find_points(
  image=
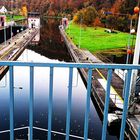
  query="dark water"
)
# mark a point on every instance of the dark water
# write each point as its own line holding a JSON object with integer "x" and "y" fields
{"x": 8, "y": 32}
{"x": 50, "y": 49}
{"x": 51, "y": 44}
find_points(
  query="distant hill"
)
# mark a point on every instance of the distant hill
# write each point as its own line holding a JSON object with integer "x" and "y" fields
{"x": 71, "y": 6}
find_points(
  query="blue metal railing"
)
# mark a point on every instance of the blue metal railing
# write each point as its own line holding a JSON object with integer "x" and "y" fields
{"x": 139, "y": 133}
{"x": 110, "y": 68}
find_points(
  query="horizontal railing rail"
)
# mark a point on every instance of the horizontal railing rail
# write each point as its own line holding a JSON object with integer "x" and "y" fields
{"x": 71, "y": 66}
{"x": 42, "y": 130}
{"x": 74, "y": 65}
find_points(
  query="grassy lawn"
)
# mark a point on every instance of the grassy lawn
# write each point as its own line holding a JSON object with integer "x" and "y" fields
{"x": 15, "y": 17}
{"x": 97, "y": 39}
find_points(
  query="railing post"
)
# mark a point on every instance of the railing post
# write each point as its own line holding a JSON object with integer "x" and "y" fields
{"x": 125, "y": 106}
{"x": 139, "y": 133}
{"x": 87, "y": 104}
{"x": 50, "y": 104}
{"x": 31, "y": 102}
{"x": 28, "y": 133}
{"x": 69, "y": 103}
{"x": 107, "y": 100}
{"x": 11, "y": 83}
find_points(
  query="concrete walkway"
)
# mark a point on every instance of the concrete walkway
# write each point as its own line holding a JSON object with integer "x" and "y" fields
{"x": 10, "y": 48}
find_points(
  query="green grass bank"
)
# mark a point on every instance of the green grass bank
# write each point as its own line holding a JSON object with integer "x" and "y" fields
{"x": 15, "y": 17}
{"x": 96, "y": 39}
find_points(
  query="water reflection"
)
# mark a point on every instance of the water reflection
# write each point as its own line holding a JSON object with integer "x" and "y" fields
{"x": 41, "y": 87}
{"x": 50, "y": 52}
{"x": 51, "y": 44}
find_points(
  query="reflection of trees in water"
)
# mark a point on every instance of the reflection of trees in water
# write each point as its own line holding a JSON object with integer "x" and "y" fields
{"x": 50, "y": 32}
{"x": 51, "y": 44}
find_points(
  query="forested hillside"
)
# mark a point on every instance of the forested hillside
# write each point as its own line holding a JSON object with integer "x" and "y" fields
{"x": 107, "y": 13}
{"x": 113, "y": 14}
{"x": 121, "y": 6}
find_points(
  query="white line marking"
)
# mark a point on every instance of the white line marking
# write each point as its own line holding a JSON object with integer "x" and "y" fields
{"x": 46, "y": 130}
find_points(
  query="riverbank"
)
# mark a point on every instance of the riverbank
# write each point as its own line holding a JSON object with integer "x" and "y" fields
{"x": 98, "y": 92}
{"x": 97, "y": 39}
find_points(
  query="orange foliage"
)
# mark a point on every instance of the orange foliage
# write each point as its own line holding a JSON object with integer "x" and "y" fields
{"x": 75, "y": 18}
{"x": 116, "y": 6}
{"x": 24, "y": 11}
{"x": 97, "y": 22}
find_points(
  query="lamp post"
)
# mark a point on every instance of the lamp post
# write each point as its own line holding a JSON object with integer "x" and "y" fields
{"x": 129, "y": 52}
{"x": 5, "y": 27}
{"x": 5, "y": 34}
{"x": 80, "y": 33}
{"x": 11, "y": 19}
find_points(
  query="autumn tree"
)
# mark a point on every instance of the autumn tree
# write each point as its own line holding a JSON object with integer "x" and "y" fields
{"x": 79, "y": 16}
{"x": 97, "y": 22}
{"x": 111, "y": 21}
{"x": 127, "y": 6}
{"x": 85, "y": 16}
{"x": 24, "y": 11}
{"x": 116, "y": 6}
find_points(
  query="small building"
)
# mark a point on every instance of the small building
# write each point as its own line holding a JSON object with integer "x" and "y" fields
{"x": 3, "y": 10}
{"x": 2, "y": 20}
{"x": 65, "y": 22}
{"x": 34, "y": 22}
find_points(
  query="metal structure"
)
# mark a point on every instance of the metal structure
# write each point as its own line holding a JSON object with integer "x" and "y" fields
{"x": 71, "y": 66}
{"x": 136, "y": 58}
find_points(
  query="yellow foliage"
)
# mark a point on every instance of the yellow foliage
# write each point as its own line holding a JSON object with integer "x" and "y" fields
{"x": 75, "y": 18}
{"x": 24, "y": 11}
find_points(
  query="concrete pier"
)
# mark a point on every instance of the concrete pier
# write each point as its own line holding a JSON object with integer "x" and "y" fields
{"x": 99, "y": 87}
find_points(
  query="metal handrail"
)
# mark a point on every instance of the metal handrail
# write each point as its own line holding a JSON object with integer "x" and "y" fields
{"x": 74, "y": 65}
{"x": 71, "y": 66}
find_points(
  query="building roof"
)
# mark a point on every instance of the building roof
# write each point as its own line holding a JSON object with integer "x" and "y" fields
{"x": 3, "y": 9}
